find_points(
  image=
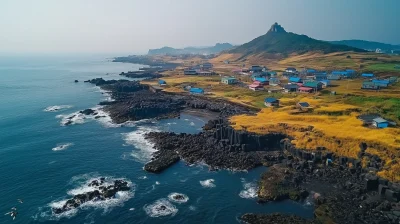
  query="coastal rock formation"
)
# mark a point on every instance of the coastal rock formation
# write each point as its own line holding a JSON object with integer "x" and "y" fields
{"x": 133, "y": 101}
{"x": 103, "y": 193}
{"x": 221, "y": 148}
{"x": 141, "y": 75}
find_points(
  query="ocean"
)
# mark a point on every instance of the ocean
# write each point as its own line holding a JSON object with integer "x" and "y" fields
{"x": 44, "y": 162}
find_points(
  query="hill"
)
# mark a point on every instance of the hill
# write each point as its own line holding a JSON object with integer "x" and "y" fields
{"x": 191, "y": 50}
{"x": 279, "y": 42}
{"x": 368, "y": 45}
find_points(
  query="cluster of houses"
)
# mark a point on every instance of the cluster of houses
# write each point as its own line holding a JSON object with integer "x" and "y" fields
{"x": 204, "y": 69}
{"x": 375, "y": 84}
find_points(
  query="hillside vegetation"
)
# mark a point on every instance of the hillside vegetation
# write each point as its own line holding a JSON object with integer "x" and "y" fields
{"x": 278, "y": 41}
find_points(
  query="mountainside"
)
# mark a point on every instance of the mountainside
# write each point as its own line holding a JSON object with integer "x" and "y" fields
{"x": 191, "y": 50}
{"x": 278, "y": 41}
{"x": 368, "y": 45}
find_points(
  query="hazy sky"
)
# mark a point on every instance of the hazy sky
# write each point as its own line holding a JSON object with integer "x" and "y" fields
{"x": 134, "y": 26}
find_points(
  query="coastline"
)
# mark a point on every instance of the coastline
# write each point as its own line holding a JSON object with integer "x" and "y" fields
{"x": 297, "y": 181}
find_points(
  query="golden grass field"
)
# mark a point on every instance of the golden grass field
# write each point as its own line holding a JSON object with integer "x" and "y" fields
{"x": 333, "y": 117}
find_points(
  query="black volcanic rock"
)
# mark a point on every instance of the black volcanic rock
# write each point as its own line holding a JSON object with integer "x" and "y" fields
{"x": 103, "y": 193}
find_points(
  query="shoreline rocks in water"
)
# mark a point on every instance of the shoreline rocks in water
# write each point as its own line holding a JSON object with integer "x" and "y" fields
{"x": 134, "y": 101}
{"x": 142, "y": 74}
{"x": 103, "y": 193}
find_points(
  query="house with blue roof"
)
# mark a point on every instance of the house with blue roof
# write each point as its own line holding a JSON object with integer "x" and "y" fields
{"x": 196, "y": 91}
{"x": 320, "y": 76}
{"x": 271, "y": 102}
{"x": 262, "y": 80}
{"x": 380, "y": 122}
{"x": 295, "y": 79}
{"x": 381, "y": 83}
{"x": 229, "y": 80}
{"x": 370, "y": 85}
{"x": 367, "y": 75}
{"x": 162, "y": 82}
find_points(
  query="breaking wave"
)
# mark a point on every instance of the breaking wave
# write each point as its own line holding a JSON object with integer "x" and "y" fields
{"x": 178, "y": 198}
{"x": 208, "y": 183}
{"x": 81, "y": 183}
{"x": 61, "y": 147}
{"x": 249, "y": 191}
{"x": 161, "y": 207}
{"x": 144, "y": 148}
{"x": 79, "y": 118}
{"x": 57, "y": 108}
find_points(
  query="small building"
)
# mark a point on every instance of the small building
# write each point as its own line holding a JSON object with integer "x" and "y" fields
{"x": 272, "y": 74}
{"x": 368, "y": 119}
{"x": 274, "y": 81}
{"x": 369, "y": 85}
{"x": 256, "y": 86}
{"x": 256, "y": 68}
{"x": 271, "y": 102}
{"x": 320, "y": 76}
{"x": 305, "y": 89}
{"x": 367, "y": 75}
{"x": 196, "y": 91}
{"x": 295, "y": 79}
{"x": 381, "y": 83}
{"x": 325, "y": 83}
{"x": 206, "y": 66}
{"x": 205, "y": 73}
{"x": 227, "y": 62}
{"x": 155, "y": 89}
{"x": 334, "y": 77}
{"x": 380, "y": 122}
{"x": 261, "y": 80}
{"x": 229, "y": 80}
{"x": 303, "y": 106}
{"x": 291, "y": 70}
{"x": 291, "y": 88}
{"x": 190, "y": 71}
{"x": 313, "y": 84}
{"x": 162, "y": 82}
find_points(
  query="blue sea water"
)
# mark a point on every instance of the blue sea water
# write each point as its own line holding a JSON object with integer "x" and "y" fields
{"x": 34, "y": 168}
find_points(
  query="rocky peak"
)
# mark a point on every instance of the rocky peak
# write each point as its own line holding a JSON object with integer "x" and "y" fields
{"x": 276, "y": 28}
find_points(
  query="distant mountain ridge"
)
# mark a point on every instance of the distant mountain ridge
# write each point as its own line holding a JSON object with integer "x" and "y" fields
{"x": 278, "y": 41}
{"x": 368, "y": 45}
{"x": 191, "y": 50}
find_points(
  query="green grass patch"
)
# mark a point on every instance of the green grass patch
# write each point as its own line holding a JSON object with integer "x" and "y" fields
{"x": 383, "y": 67}
{"x": 387, "y": 107}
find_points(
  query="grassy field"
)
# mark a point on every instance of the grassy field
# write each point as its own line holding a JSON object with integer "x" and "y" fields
{"x": 389, "y": 67}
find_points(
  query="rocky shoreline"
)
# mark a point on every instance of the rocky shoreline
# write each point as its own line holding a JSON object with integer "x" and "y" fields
{"x": 342, "y": 190}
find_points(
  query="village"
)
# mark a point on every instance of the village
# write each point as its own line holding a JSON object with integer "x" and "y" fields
{"x": 288, "y": 83}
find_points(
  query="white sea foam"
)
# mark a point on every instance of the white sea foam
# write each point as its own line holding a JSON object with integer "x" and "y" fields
{"x": 172, "y": 197}
{"x": 161, "y": 207}
{"x": 144, "y": 148}
{"x": 192, "y": 208}
{"x": 78, "y": 118}
{"x": 249, "y": 191}
{"x": 157, "y": 183}
{"x": 57, "y": 108}
{"x": 81, "y": 186}
{"x": 142, "y": 178}
{"x": 207, "y": 183}
{"x": 192, "y": 124}
{"x": 62, "y": 146}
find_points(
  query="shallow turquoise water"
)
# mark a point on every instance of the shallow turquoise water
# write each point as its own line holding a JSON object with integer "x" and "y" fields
{"x": 31, "y": 170}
